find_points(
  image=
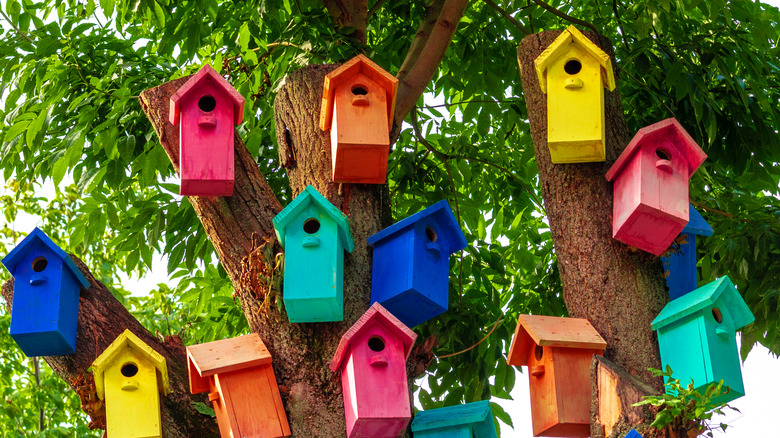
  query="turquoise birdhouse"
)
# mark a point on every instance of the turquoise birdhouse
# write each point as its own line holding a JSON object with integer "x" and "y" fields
{"x": 472, "y": 420}
{"x": 697, "y": 336}
{"x": 681, "y": 264}
{"x": 314, "y": 234}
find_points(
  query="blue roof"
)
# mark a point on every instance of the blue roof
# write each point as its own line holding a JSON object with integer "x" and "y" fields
{"x": 704, "y": 297}
{"x": 296, "y": 207}
{"x": 633, "y": 434}
{"x": 696, "y": 223}
{"x": 38, "y": 237}
{"x": 458, "y": 415}
{"x": 443, "y": 216}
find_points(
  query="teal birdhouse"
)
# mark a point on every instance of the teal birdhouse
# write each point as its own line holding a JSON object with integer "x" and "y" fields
{"x": 472, "y": 420}
{"x": 314, "y": 234}
{"x": 697, "y": 336}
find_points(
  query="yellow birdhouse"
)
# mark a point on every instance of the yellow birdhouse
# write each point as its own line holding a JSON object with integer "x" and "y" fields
{"x": 572, "y": 73}
{"x": 129, "y": 376}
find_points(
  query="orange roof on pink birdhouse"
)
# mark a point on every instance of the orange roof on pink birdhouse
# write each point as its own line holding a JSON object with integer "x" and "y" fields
{"x": 357, "y": 65}
{"x": 207, "y": 73}
{"x": 552, "y": 331}
{"x": 669, "y": 129}
{"x": 376, "y": 314}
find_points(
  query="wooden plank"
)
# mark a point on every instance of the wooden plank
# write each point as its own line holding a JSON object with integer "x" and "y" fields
{"x": 229, "y": 355}
{"x": 614, "y": 391}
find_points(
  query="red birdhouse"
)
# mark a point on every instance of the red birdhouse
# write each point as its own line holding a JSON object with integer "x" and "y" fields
{"x": 358, "y": 101}
{"x": 206, "y": 108}
{"x": 651, "y": 177}
{"x": 238, "y": 376}
{"x": 558, "y": 352}
{"x": 372, "y": 359}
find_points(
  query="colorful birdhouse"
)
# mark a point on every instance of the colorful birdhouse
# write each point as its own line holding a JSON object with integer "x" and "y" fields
{"x": 633, "y": 434}
{"x": 129, "y": 375}
{"x": 206, "y": 108}
{"x": 411, "y": 264}
{"x": 680, "y": 264}
{"x": 697, "y": 336}
{"x": 45, "y": 308}
{"x": 650, "y": 191}
{"x": 238, "y": 376}
{"x": 573, "y": 73}
{"x": 472, "y": 420}
{"x": 314, "y": 234}
{"x": 558, "y": 353}
{"x": 372, "y": 358}
{"x": 358, "y": 101}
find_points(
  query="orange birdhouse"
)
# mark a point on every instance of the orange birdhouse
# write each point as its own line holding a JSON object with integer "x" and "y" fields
{"x": 557, "y": 352}
{"x": 238, "y": 376}
{"x": 358, "y": 101}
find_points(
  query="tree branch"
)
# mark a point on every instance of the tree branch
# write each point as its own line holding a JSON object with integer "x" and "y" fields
{"x": 566, "y": 16}
{"x": 506, "y": 15}
{"x": 432, "y": 12}
{"x": 375, "y": 8}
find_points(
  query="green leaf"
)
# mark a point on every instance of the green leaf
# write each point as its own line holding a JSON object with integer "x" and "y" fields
{"x": 35, "y": 127}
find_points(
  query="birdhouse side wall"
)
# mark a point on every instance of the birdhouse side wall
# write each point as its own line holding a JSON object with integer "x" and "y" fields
{"x": 681, "y": 268}
{"x": 256, "y": 402}
{"x": 680, "y": 344}
{"x": 132, "y": 402}
{"x": 722, "y": 354}
{"x": 572, "y": 366}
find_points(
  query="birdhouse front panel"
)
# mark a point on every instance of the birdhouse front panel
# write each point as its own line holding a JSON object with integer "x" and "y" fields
{"x": 132, "y": 398}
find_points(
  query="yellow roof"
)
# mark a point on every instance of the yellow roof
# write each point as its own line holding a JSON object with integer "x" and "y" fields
{"x": 559, "y": 46}
{"x": 127, "y": 340}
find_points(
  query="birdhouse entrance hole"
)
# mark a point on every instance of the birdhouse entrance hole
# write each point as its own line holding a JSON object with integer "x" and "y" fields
{"x": 376, "y": 343}
{"x": 572, "y": 66}
{"x": 311, "y": 226}
{"x": 431, "y": 234}
{"x": 359, "y": 90}
{"x": 39, "y": 264}
{"x": 717, "y": 315}
{"x": 539, "y": 352}
{"x": 662, "y": 154}
{"x": 207, "y": 103}
{"x": 129, "y": 369}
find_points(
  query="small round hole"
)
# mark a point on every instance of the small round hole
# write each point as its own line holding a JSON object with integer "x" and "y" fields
{"x": 39, "y": 264}
{"x": 376, "y": 343}
{"x": 359, "y": 90}
{"x": 311, "y": 226}
{"x": 207, "y": 103}
{"x": 431, "y": 234}
{"x": 539, "y": 352}
{"x": 662, "y": 154}
{"x": 717, "y": 315}
{"x": 572, "y": 66}
{"x": 129, "y": 369}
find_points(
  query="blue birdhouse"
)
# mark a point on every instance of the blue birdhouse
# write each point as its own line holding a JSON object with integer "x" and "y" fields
{"x": 45, "y": 308}
{"x": 681, "y": 265}
{"x": 697, "y": 336}
{"x": 412, "y": 263}
{"x": 633, "y": 434}
{"x": 472, "y": 420}
{"x": 314, "y": 234}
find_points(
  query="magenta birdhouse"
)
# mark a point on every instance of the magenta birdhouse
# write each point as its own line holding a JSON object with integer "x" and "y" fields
{"x": 206, "y": 108}
{"x": 372, "y": 359}
{"x": 651, "y": 176}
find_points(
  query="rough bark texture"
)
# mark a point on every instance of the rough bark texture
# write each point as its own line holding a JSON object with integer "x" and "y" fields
{"x": 618, "y": 290}
{"x": 101, "y": 319}
{"x": 614, "y": 392}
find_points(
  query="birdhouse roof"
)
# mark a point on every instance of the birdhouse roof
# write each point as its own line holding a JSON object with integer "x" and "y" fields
{"x": 705, "y": 297}
{"x": 298, "y": 205}
{"x": 128, "y": 340}
{"x": 39, "y": 238}
{"x": 552, "y": 331}
{"x": 207, "y": 73}
{"x": 376, "y": 314}
{"x": 696, "y": 224}
{"x": 633, "y": 434}
{"x": 442, "y": 214}
{"x": 357, "y": 65}
{"x": 223, "y": 357}
{"x": 669, "y": 129}
{"x": 560, "y": 47}
{"x": 452, "y": 416}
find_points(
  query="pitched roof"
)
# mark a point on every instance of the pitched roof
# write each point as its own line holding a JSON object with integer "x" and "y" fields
{"x": 674, "y": 132}
{"x": 696, "y": 223}
{"x": 552, "y": 331}
{"x": 376, "y": 314}
{"x": 359, "y": 64}
{"x": 38, "y": 237}
{"x": 478, "y": 413}
{"x": 633, "y": 434}
{"x": 705, "y": 297}
{"x": 128, "y": 340}
{"x": 207, "y": 73}
{"x": 306, "y": 197}
{"x": 442, "y": 213}
{"x": 559, "y": 47}
{"x": 224, "y": 356}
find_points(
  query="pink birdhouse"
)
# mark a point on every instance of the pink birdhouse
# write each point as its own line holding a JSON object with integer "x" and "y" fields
{"x": 372, "y": 359}
{"x": 206, "y": 108}
{"x": 651, "y": 177}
